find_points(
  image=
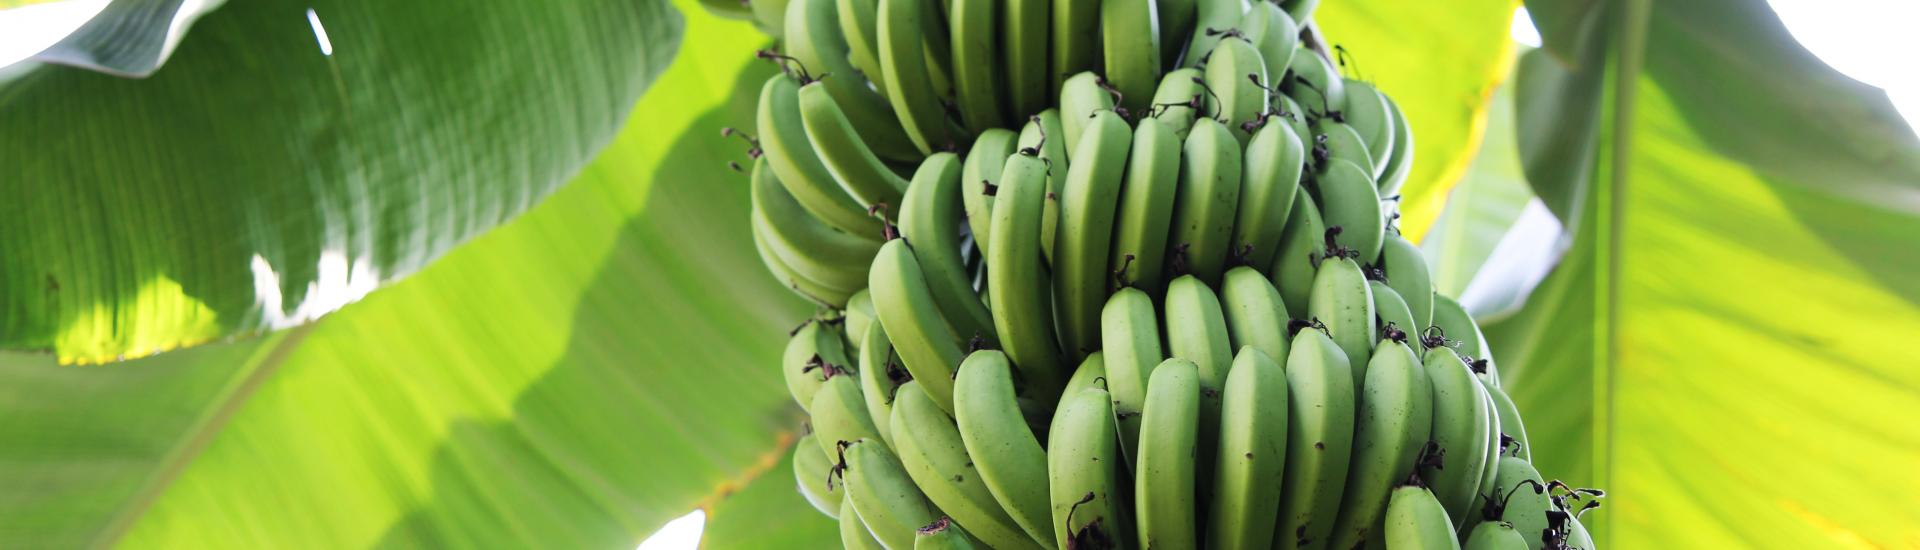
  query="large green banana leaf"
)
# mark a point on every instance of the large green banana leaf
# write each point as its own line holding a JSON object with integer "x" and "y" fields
{"x": 265, "y": 177}
{"x": 1728, "y": 347}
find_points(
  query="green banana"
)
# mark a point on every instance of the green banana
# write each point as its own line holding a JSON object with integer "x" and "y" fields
{"x": 979, "y": 84}
{"x": 1320, "y": 422}
{"x": 1178, "y": 99}
{"x": 1349, "y": 200}
{"x": 1302, "y": 246}
{"x": 1087, "y": 210}
{"x": 1130, "y": 340}
{"x": 931, "y": 449}
{"x": 1315, "y": 83}
{"x": 854, "y": 534}
{"x": 1130, "y": 48}
{"x": 1196, "y": 330}
{"x": 1400, "y": 160}
{"x": 1341, "y": 142}
{"x": 904, "y": 302}
{"x": 1076, "y": 39}
{"x": 1164, "y": 497}
{"x": 858, "y": 315}
{"x": 1008, "y": 457}
{"x": 929, "y": 215}
{"x": 1406, "y": 271}
{"x": 1145, "y": 215}
{"x": 1366, "y": 112}
{"x": 814, "y": 39}
{"x": 783, "y": 137}
{"x": 810, "y": 470}
{"x": 1250, "y": 464}
{"x": 1342, "y": 300}
{"x": 1416, "y": 521}
{"x": 1461, "y": 423}
{"x": 1206, "y": 201}
{"x": 730, "y": 9}
{"x": 1268, "y": 183}
{"x": 1212, "y": 18}
{"x": 807, "y": 246}
{"x": 1495, "y": 535}
{"x": 1081, "y": 96}
{"x": 1278, "y": 44}
{"x": 1396, "y": 418}
{"x": 1296, "y": 118}
{"x": 1256, "y": 315}
{"x": 906, "y": 77}
{"x": 937, "y": 50}
{"x": 1391, "y": 311}
{"x": 1458, "y": 325}
{"x": 1238, "y": 78}
{"x": 1017, "y": 289}
{"x": 849, "y": 160}
{"x": 1174, "y": 19}
{"x": 880, "y": 379}
{"x": 769, "y": 16}
{"x": 982, "y": 169}
{"x": 811, "y": 290}
{"x": 1577, "y": 537}
{"x": 1043, "y": 134}
{"x": 1025, "y": 34}
{"x": 860, "y": 27}
{"x": 886, "y": 498}
{"x": 1092, "y": 371}
{"x": 1490, "y": 469}
{"x": 1083, "y": 460}
{"x": 813, "y": 348}
{"x": 1300, "y": 9}
{"x": 1519, "y": 499}
{"x": 839, "y": 413}
{"x": 944, "y": 534}
{"x": 1509, "y": 416}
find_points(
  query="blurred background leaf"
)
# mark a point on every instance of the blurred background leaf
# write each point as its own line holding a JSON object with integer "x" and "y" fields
{"x": 257, "y": 183}
{"x": 128, "y": 37}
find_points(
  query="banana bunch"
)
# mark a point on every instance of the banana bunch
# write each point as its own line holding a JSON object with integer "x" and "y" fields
{"x": 1167, "y": 307}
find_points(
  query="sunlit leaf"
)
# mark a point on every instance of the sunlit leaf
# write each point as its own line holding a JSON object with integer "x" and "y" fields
{"x": 129, "y": 37}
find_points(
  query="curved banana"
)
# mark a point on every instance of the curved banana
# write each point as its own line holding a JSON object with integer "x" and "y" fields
{"x": 1495, "y": 535}
{"x": 854, "y": 534}
{"x": 1250, "y": 464}
{"x": 1081, "y": 96}
{"x": 1238, "y": 78}
{"x": 1341, "y": 142}
{"x": 979, "y": 174}
{"x": 1302, "y": 246}
{"x": 1406, "y": 271}
{"x": 979, "y": 84}
{"x": 1349, "y": 200}
{"x": 1509, "y": 416}
{"x": 1256, "y": 315}
{"x": 860, "y": 27}
{"x": 1366, "y": 111}
{"x": 1008, "y": 457}
{"x": 839, "y": 413}
{"x": 810, "y": 470}
{"x": 907, "y": 78}
{"x": 1088, "y": 207}
{"x": 1342, "y": 300}
{"x": 1396, "y": 417}
{"x": 1400, "y": 160}
{"x": 849, "y": 160}
{"x": 904, "y": 302}
{"x": 1196, "y": 330}
{"x": 1083, "y": 460}
{"x": 1519, "y": 499}
{"x": 929, "y": 217}
{"x": 1391, "y": 311}
{"x": 1271, "y": 177}
{"x": 1164, "y": 498}
{"x": 769, "y": 16}
{"x": 858, "y": 315}
{"x": 807, "y": 246}
{"x": 1278, "y": 44}
{"x": 1212, "y": 18}
{"x": 1320, "y": 419}
{"x": 814, "y": 39}
{"x": 931, "y": 449}
{"x": 1017, "y": 288}
{"x": 1296, "y": 118}
{"x": 1179, "y": 99}
{"x": 811, "y": 290}
{"x": 880, "y": 379}
{"x": 1043, "y": 133}
{"x": 1206, "y": 201}
{"x": 1315, "y": 83}
{"x": 886, "y": 498}
{"x": 1025, "y": 34}
{"x": 1461, "y": 422}
{"x": 783, "y": 137}
{"x": 1091, "y": 373}
{"x": 1130, "y": 341}
{"x": 812, "y": 349}
{"x": 1076, "y": 39}
{"x": 944, "y": 534}
{"x": 1416, "y": 521}
{"x": 1458, "y": 325}
{"x": 1490, "y": 469}
{"x": 1130, "y": 49}
{"x": 1145, "y": 215}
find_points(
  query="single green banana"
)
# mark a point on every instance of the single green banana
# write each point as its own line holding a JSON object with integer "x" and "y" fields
{"x": 813, "y": 291}
{"x": 884, "y": 495}
{"x": 1406, "y": 271}
{"x": 1366, "y": 112}
{"x": 1145, "y": 215}
{"x": 1519, "y": 499}
{"x": 1271, "y": 177}
{"x": 1076, "y": 39}
{"x": 860, "y": 27}
{"x": 1043, "y": 134}
{"x": 1340, "y": 142}
{"x": 813, "y": 348}
{"x": 1461, "y": 422}
{"x": 1174, "y": 20}
{"x": 1008, "y": 457}
{"x": 980, "y": 173}
{"x": 1315, "y": 83}
{"x": 929, "y": 217}
{"x": 1396, "y": 418}
{"x": 1130, "y": 47}
{"x": 854, "y": 534}
{"x": 904, "y": 301}
{"x": 880, "y": 379}
{"x": 1164, "y": 488}
{"x": 1400, "y": 161}
{"x": 814, "y": 39}
{"x": 979, "y": 83}
{"x": 1196, "y": 330}
{"x": 1296, "y": 118}
{"x": 1207, "y": 199}
{"x": 839, "y": 413}
{"x": 1320, "y": 422}
{"x": 1081, "y": 96}
{"x": 769, "y": 16}
{"x": 1130, "y": 340}
{"x": 1509, "y": 415}
{"x": 1302, "y": 246}
{"x": 1490, "y": 469}
{"x": 1083, "y": 474}
{"x": 1349, "y": 201}
{"x": 1025, "y": 34}
{"x": 944, "y": 534}
{"x": 1238, "y": 78}
{"x": 1495, "y": 535}
{"x": 858, "y": 315}
{"x": 1577, "y": 537}
{"x": 1278, "y": 44}
{"x": 805, "y": 244}
{"x": 1391, "y": 311}
{"x": 907, "y": 78}
{"x": 849, "y": 160}
{"x": 1179, "y": 99}
{"x": 1251, "y": 461}
{"x": 783, "y": 138}
{"x": 810, "y": 470}
{"x": 1017, "y": 288}
{"x": 1416, "y": 521}
{"x": 1091, "y": 373}
{"x": 1212, "y": 18}
{"x": 939, "y": 58}
{"x": 1087, "y": 210}
{"x": 1458, "y": 325}
{"x": 931, "y": 449}
{"x": 1253, "y": 25}
{"x": 1342, "y": 300}
{"x": 1256, "y": 315}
